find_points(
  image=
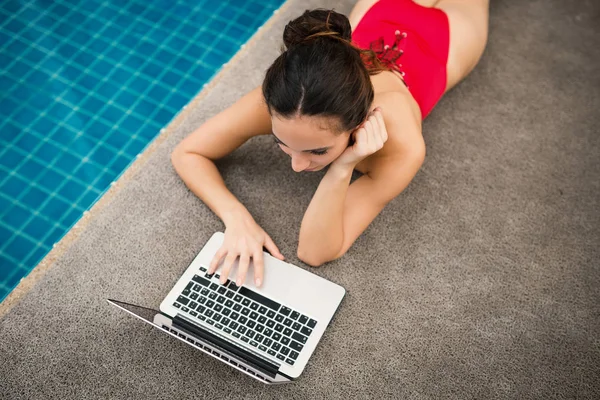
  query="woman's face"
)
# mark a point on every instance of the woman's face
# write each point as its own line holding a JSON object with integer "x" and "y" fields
{"x": 310, "y": 141}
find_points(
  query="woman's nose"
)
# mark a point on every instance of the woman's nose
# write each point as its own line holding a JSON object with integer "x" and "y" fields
{"x": 299, "y": 163}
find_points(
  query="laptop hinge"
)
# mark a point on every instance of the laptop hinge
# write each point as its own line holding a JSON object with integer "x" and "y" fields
{"x": 257, "y": 362}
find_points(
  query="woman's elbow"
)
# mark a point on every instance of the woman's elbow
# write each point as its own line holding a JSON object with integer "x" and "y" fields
{"x": 309, "y": 259}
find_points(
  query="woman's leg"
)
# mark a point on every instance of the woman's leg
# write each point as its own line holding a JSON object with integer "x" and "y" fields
{"x": 468, "y": 21}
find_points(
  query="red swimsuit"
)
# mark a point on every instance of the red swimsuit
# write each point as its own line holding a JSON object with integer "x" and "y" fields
{"x": 412, "y": 39}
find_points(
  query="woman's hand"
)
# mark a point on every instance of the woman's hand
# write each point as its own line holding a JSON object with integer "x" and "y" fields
{"x": 368, "y": 139}
{"x": 243, "y": 239}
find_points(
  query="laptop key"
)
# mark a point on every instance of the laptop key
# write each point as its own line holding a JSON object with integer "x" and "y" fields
{"x": 235, "y": 334}
{"x": 279, "y": 318}
{"x": 270, "y": 323}
{"x": 217, "y": 317}
{"x": 246, "y": 302}
{"x": 242, "y": 320}
{"x": 204, "y": 292}
{"x": 289, "y": 361}
{"x": 262, "y": 319}
{"x": 217, "y": 276}
{"x": 210, "y": 303}
{"x": 200, "y": 280}
{"x": 197, "y": 288}
{"x": 306, "y": 331}
{"x": 300, "y": 338}
{"x": 241, "y": 329}
{"x": 276, "y": 346}
{"x": 218, "y": 326}
{"x": 234, "y": 316}
{"x": 262, "y": 310}
{"x": 238, "y": 298}
{"x": 245, "y": 311}
{"x": 267, "y": 332}
{"x": 250, "y": 333}
{"x": 254, "y": 306}
{"x": 226, "y": 311}
{"x": 285, "y": 311}
{"x": 276, "y": 336}
{"x": 303, "y": 319}
{"x": 229, "y": 303}
{"x": 233, "y": 325}
{"x": 282, "y": 358}
{"x": 201, "y": 317}
{"x": 263, "y": 348}
{"x": 285, "y": 340}
{"x": 210, "y": 321}
{"x": 193, "y": 313}
{"x": 222, "y": 290}
{"x": 176, "y": 305}
{"x": 296, "y": 326}
{"x": 209, "y": 312}
{"x": 225, "y": 321}
{"x": 193, "y": 305}
{"x": 253, "y": 343}
{"x": 212, "y": 295}
{"x": 259, "y": 328}
{"x": 221, "y": 299}
{"x": 267, "y": 342}
{"x": 201, "y": 309}
{"x": 202, "y": 300}
{"x": 278, "y": 327}
{"x": 285, "y": 351}
{"x": 293, "y": 355}
{"x": 245, "y": 339}
{"x": 296, "y": 346}
{"x": 270, "y": 314}
{"x": 250, "y": 324}
{"x": 237, "y": 307}
{"x": 227, "y": 330}
{"x": 271, "y": 352}
{"x": 194, "y": 296}
{"x": 287, "y": 332}
{"x": 287, "y": 322}
{"x": 229, "y": 295}
{"x": 253, "y": 315}
{"x": 214, "y": 286}
{"x": 295, "y": 315}
{"x": 185, "y": 309}
{"x": 312, "y": 323}
{"x": 183, "y": 300}
{"x": 259, "y": 338}
{"x": 218, "y": 308}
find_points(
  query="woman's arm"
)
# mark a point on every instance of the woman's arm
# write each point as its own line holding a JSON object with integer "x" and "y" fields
{"x": 193, "y": 157}
{"x": 339, "y": 212}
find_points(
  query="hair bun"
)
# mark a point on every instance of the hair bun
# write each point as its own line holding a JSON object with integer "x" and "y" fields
{"x": 316, "y": 23}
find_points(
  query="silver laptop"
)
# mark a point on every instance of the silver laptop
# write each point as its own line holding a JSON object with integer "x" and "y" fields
{"x": 268, "y": 333}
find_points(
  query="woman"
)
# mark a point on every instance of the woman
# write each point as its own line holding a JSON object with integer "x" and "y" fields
{"x": 347, "y": 93}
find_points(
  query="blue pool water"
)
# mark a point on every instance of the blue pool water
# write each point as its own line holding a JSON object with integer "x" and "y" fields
{"x": 85, "y": 86}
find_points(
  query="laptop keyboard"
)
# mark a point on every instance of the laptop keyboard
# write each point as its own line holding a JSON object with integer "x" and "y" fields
{"x": 270, "y": 327}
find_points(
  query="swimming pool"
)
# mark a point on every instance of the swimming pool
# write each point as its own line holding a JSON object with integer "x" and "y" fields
{"x": 85, "y": 86}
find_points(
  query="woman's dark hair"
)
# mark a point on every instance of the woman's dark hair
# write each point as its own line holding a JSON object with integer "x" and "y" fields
{"x": 321, "y": 72}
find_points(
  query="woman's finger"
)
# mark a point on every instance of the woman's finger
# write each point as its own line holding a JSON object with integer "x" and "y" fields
{"x": 258, "y": 267}
{"x": 270, "y": 245}
{"x": 241, "y": 275}
{"x": 216, "y": 259}
{"x": 242, "y": 265}
{"x": 229, "y": 260}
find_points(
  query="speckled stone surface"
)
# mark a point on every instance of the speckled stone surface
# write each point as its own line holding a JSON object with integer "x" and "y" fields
{"x": 480, "y": 281}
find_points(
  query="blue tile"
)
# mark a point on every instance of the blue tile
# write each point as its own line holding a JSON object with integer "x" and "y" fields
{"x": 13, "y": 187}
{"x": 84, "y": 59}
{"x": 14, "y": 26}
{"x": 51, "y": 180}
{"x": 10, "y": 159}
{"x": 134, "y": 147}
{"x": 104, "y": 180}
{"x": 13, "y": 6}
{"x": 72, "y": 217}
{"x": 131, "y": 124}
{"x": 107, "y": 90}
{"x": 158, "y": 92}
{"x": 177, "y": 101}
{"x": 25, "y": 115}
{"x": 27, "y": 143}
{"x": 5, "y": 234}
{"x": 163, "y": 116}
{"x": 152, "y": 70}
{"x": 19, "y": 247}
{"x": 62, "y": 135}
{"x": 126, "y": 99}
{"x": 55, "y": 209}
{"x": 34, "y": 198}
{"x": 47, "y": 152}
{"x": 67, "y": 162}
{"x": 87, "y": 172}
{"x": 9, "y": 132}
{"x": 37, "y": 255}
{"x": 55, "y": 236}
{"x": 116, "y": 53}
{"x": 81, "y": 147}
{"x": 38, "y": 228}
{"x": 43, "y": 126}
{"x": 102, "y": 155}
{"x": 92, "y": 104}
{"x": 71, "y": 191}
{"x": 59, "y": 111}
{"x": 7, "y": 106}
{"x": 4, "y": 204}
{"x": 16, "y": 216}
{"x": 31, "y": 169}
{"x": 89, "y": 199}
